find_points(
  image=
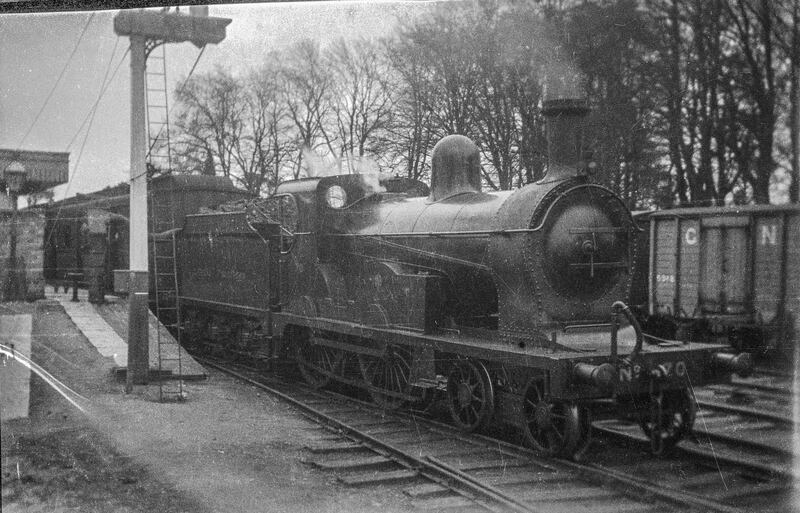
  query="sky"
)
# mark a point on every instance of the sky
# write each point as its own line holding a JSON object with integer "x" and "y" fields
{"x": 34, "y": 49}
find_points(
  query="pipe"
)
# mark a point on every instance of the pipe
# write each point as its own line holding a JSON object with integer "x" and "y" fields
{"x": 740, "y": 364}
{"x": 618, "y": 307}
{"x": 603, "y": 376}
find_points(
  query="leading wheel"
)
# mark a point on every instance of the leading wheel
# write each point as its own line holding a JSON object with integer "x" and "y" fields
{"x": 553, "y": 428}
{"x": 318, "y": 364}
{"x": 387, "y": 376}
{"x": 670, "y": 416}
{"x": 470, "y": 395}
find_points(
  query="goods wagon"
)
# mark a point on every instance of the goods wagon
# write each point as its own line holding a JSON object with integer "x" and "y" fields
{"x": 729, "y": 273}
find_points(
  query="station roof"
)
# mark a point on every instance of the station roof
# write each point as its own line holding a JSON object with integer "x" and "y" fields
{"x": 43, "y": 169}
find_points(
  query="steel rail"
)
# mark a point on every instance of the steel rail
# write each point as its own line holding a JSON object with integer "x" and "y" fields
{"x": 470, "y": 487}
{"x": 700, "y": 452}
{"x": 438, "y": 473}
{"x": 599, "y": 472}
{"x": 747, "y": 412}
{"x": 762, "y": 387}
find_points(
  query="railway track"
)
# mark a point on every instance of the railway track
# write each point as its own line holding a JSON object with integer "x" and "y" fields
{"x": 741, "y": 442}
{"x": 441, "y": 469}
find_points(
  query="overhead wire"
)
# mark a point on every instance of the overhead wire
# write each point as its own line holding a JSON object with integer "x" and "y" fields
{"x": 93, "y": 111}
{"x": 178, "y": 91}
{"x": 88, "y": 130}
{"x": 103, "y": 88}
{"x": 90, "y": 118}
{"x": 58, "y": 81}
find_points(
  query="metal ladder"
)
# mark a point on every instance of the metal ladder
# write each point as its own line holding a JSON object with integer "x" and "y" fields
{"x": 159, "y": 152}
{"x": 164, "y": 278}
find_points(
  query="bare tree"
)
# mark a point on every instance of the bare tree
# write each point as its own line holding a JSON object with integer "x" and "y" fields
{"x": 787, "y": 34}
{"x": 752, "y": 24}
{"x": 360, "y": 99}
{"x": 306, "y": 82}
{"x": 412, "y": 131}
{"x": 210, "y": 120}
{"x": 265, "y": 151}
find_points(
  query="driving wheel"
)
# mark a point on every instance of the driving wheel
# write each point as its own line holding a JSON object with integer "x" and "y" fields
{"x": 387, "y": 376}
{"x": 318, "y": 364}
{"x": 470, "y": 395}
{"x": 553, "y": 427}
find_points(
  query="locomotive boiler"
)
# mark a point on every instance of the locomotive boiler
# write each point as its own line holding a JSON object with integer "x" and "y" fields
{"x": 507, "y": 303}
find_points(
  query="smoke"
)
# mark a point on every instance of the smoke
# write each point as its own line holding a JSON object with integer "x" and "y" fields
{"x": 367, "y": 167}
{"x": 315, "y": 166}
{"x": 527, "y": 39}
{"x": 372, "y": 183}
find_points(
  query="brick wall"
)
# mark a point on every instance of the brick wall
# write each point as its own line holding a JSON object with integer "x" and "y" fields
{"x": 29, "y": 282}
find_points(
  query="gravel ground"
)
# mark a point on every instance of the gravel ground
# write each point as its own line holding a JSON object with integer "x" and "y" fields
{"x": 229, "y": 447}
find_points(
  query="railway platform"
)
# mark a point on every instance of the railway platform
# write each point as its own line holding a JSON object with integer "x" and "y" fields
{"x": 106, "y": 326}
{"x": 86, "y": 445}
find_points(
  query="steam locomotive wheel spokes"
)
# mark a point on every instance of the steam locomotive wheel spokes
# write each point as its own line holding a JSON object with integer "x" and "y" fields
{"x": 553, "y": 427}
{"x": 470, "y": 394}
{"x": 317, "y": 363}
{"x": 670, "y": 416}
{"x": 387, "y": 376}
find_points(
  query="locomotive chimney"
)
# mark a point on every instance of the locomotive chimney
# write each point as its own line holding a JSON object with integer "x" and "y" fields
{"x": 564, "y": 128}
{"x": 455, "y": 167}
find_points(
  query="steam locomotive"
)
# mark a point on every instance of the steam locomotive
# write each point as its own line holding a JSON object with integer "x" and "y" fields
{"x": 507, "y": 303}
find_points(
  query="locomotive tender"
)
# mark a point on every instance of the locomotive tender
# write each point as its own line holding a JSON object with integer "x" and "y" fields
{"x": 507, "y": 302}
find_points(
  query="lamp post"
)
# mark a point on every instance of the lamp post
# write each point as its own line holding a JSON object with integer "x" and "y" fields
{"x": 14, "y": 176}
{"x": 147, "y": 30}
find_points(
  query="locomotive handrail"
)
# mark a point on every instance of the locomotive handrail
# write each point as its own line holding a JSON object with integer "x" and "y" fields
{"x": 620, "y": 307}
{"x": 582, "y": 186}
{"x": 465, "y": 233}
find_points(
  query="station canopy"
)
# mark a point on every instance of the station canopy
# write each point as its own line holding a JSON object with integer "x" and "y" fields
{"x": 42, "y": 169}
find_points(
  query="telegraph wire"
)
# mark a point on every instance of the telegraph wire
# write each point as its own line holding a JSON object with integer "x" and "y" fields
{"x": 102, "y": 91}
{"x": 90, "y": 118}
{"x": 92, "y": 113}
{"x": 179, "y": 90}
{"x": 58, "y": 80}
